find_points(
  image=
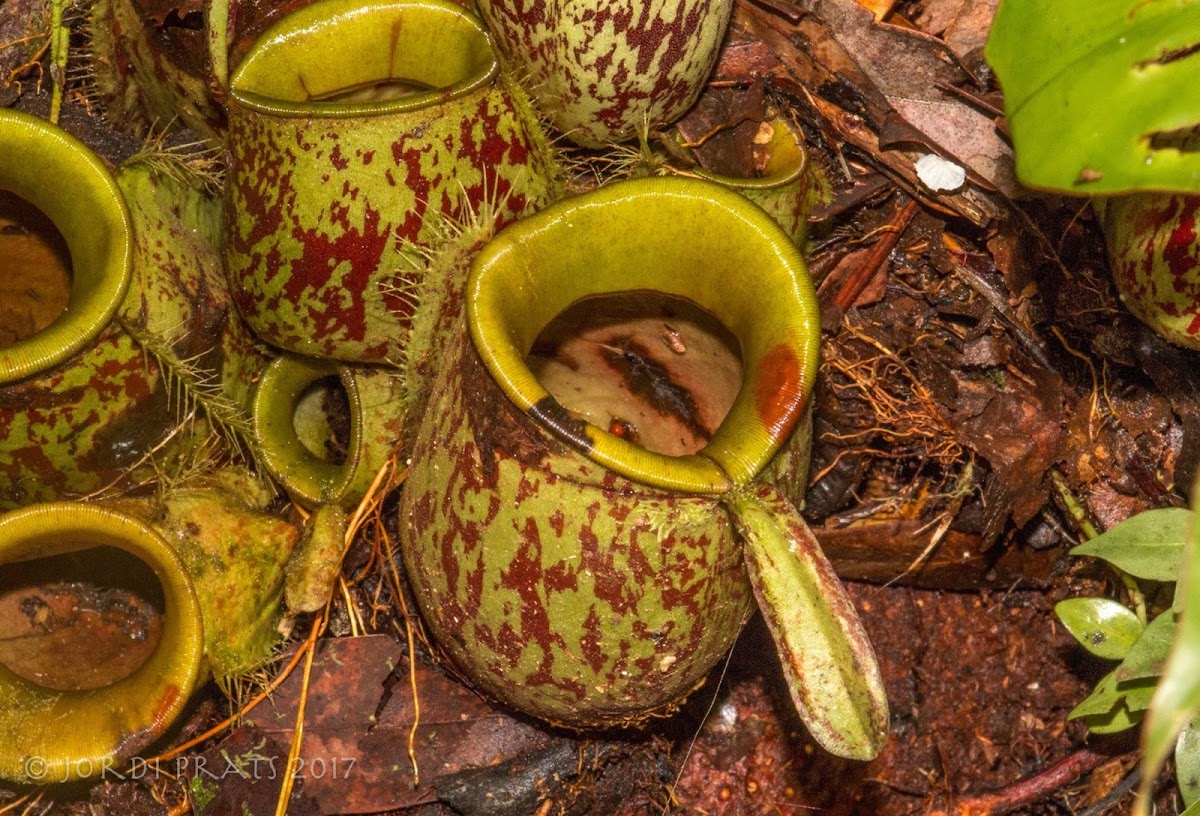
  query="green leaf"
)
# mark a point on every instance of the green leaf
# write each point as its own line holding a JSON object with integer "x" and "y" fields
{"x": 1187, "y": 763}
{"x": 827, "y": 659}
{"x": 1148, "y": 656}
{"x": 1109, "y": 693}
{"x": 1148, "y": 545}
{"x": 1114, "y": 722}
{"x": 1086, "y": 84}
{"x": 1177, "y": 700}
{"x": 1102, "y": 626}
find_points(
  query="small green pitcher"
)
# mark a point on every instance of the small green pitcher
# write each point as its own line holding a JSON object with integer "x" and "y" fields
{"x": 216, "y": 568}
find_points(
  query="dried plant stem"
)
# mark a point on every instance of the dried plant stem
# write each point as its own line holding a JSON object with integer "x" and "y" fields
{"x": 60, "y": 42}
{"x": 16, "y": 803}
{"x": 289, "y": 778}
{"x": 409, "y": 635}
{"x": 1029, "y": 790}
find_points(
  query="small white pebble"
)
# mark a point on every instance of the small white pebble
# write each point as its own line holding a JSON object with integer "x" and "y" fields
{"x": 940, "y": 175}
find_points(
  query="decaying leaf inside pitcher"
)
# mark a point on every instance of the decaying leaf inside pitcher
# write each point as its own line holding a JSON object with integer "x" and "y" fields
{"x": 37, "y": 282}
{"x": 79, "y": 621}
{"x": 321, "y": 419}
{"x": 656, "y": 370}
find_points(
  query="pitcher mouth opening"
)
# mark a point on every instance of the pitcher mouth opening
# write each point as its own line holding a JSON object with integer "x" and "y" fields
{"x": 80, "y": 731}
{"x": 676, "y": 237}
{"x": 84, "y": 238}
{"x": 655, "y": 370}
{"x": 307, "y": 418}
{"x": 783, "y": 159}
{"x": 341, "y": 58}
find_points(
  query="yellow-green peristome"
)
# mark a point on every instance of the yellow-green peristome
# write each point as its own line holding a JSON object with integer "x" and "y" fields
{"x": 218, "y": 562}
{"x": 38, "y": 161}
{"x": 296, "y": 443}
{"x": 79, "y": 405}
{"x": 48, "y": 735}
{"x": 786, "y": 187}
{"x": 682, "y": 237}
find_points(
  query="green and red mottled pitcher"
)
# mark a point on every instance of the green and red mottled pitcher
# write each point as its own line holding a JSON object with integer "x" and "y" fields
{"x": 601, "y": 71}
{"x": 216, "y": 568}
{"x": 90, "y": 333}
{"x": 355, "y": 130}
{"x": 80, "y": 405}
{"x": 588, "y": 580}
{"x": 1154, "y": 251}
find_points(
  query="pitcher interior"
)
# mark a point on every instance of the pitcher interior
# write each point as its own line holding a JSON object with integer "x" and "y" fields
{"x": 77, "y": 621}
{"x": 654, "y": 370}
{"x": 37, "y": 287}
{"x": 678, "y": 238}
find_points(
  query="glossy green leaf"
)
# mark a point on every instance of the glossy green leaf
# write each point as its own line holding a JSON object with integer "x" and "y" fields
{"x": 1148, "y": 655}
{"x": 1187, "y": 763}
{"x": 1102, "y": 626}
{"x": 1148, "y": 545}
{"x": 1109, "y": 693}
{"x": 1115, "y": 721}
{"x": 1177, "y": 700}
{"x": 1094, "y": 89}
{"x": 827, "y": 659}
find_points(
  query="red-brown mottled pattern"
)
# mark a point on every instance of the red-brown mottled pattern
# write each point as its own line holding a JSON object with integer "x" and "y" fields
{"x": 502, "y": 580}
{"x": 1155, "y": 253}
{"x": 81, "y": 425}
{"x": 309, "y": 227}
{"x": 599, "y": 70}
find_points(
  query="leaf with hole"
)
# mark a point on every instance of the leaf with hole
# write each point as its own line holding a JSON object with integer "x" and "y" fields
{"x": 1148, "y": 545}
{"x": 1102, "y": 626}
{"x": 1100, "y": 94}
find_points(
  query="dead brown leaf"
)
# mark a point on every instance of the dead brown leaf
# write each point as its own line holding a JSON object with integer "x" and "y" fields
{"x": 355, "y": 760}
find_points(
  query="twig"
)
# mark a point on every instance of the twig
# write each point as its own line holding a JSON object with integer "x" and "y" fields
{"x": 880, "y": 250}
{"x": 1029, "y": 790}
{"x": 289, "y": 777}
